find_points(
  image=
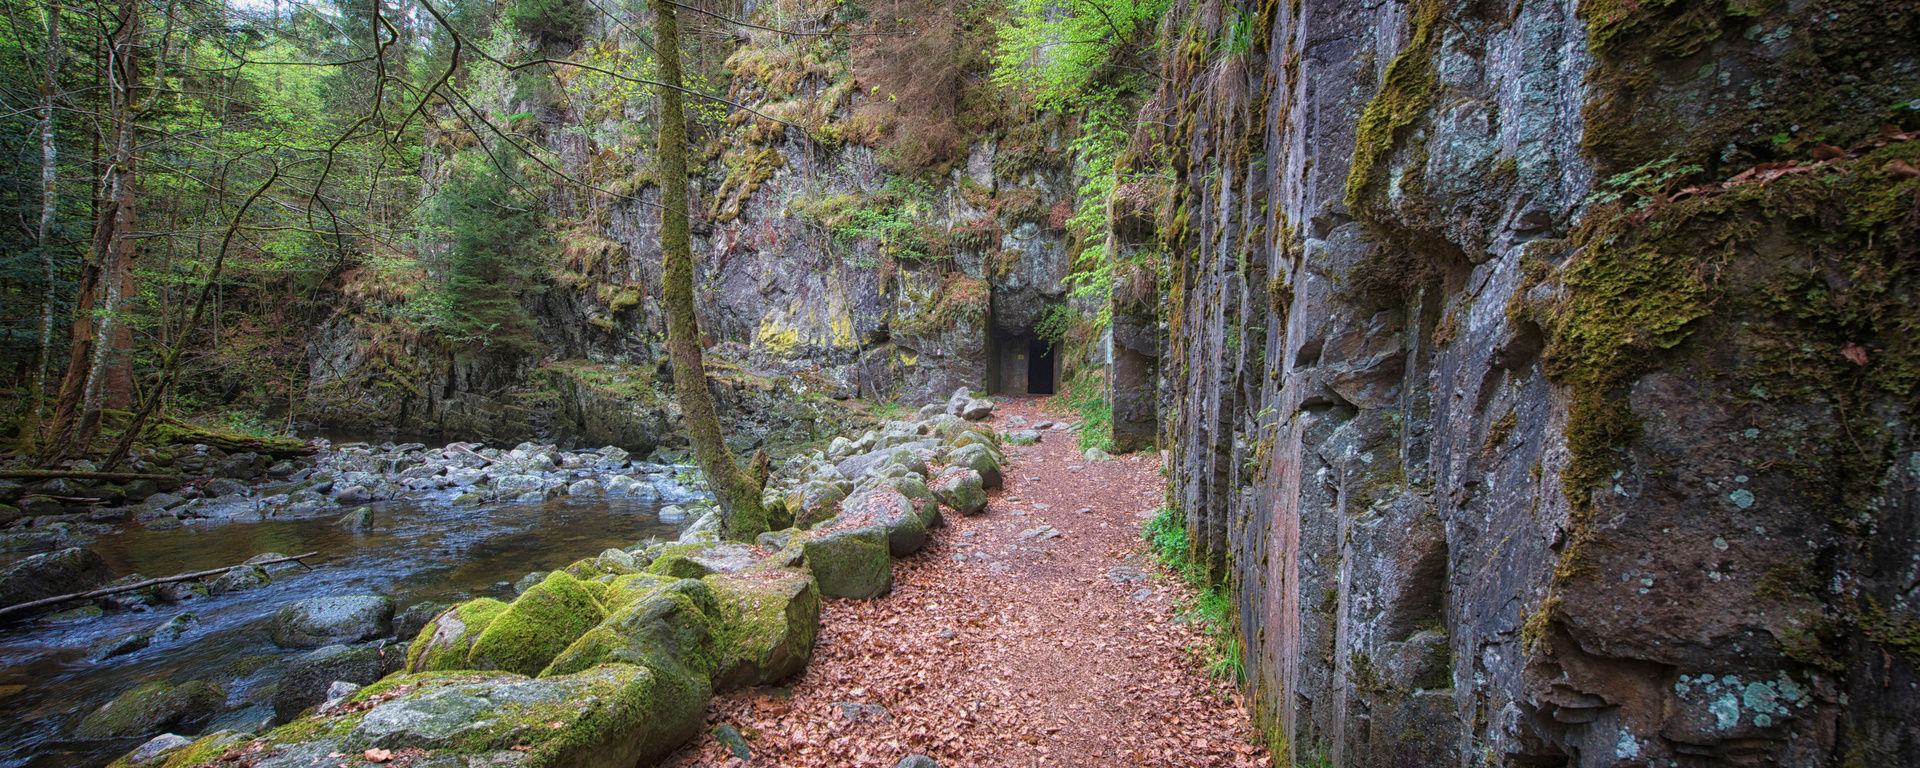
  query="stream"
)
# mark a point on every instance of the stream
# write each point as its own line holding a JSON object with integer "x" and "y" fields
{"x": 417, "y": 551}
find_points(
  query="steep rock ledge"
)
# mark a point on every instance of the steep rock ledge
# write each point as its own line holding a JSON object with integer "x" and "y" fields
{"x": 1515, "y": 454}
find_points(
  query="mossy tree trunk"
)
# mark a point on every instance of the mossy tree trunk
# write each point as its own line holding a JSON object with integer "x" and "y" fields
{"x": 99, "y": 370}
{"x": 736, "y": 490}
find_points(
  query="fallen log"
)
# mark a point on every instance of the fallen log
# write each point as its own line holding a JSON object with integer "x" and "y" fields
{"x": 104, "y": 591}
{"x": 53, "y": 474}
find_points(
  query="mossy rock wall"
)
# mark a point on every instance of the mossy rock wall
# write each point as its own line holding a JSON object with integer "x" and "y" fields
{"x": 1569, "y": 353}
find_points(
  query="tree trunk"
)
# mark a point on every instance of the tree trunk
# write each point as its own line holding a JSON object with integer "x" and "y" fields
{"x": 737, "y": 491}
{"x": 49, "y": 210}
{"x": 98, "y": 368}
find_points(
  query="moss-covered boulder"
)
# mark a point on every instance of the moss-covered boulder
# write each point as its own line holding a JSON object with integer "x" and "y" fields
{"x": 612, "y": 562}
{"x": 962, "y": 490}
{"x": 886, "y": 507}
{"x": 623, "y": 590}
{"x": 849, "y": 562}
{"x": 767, "y": 624}
{"x": 670, "y": 628}
{"x": 151, "y": 709}
{"x": 816, "y": 501}
{"x": 675, "y": 564}
{"x": 537, "y": 626}
{"x": 445, "y": 642}
{"x": 923, "y": 498}
{"x": 611, "y": 716}
{"x": 981, "y": 460}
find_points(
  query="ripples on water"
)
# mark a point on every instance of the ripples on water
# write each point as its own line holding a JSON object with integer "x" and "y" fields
{"x": 418, "y": 551}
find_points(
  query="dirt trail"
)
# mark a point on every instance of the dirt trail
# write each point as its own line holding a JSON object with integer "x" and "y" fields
{"x": 1034, "y": 634}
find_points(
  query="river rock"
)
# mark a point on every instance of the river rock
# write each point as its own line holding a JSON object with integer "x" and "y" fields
{"x": 152, "y": 708}
{"x": 176, "y": 627}
{"x": 180, "y": 591}
{"x": 239, "y": 579}
{"x": 220, "y": 486}
{"x": 409, "y": 622}
{"x": 124, "y": 645}
{"x": 668, "y": 626}
{"x": 587, "y": 487}
{"x": 308, "y": 676}
{"x": 916, "y": 761}
{"x": 321, "y": 621}
{"x": 337, "y": 693}
{"x": 353, "y": 495}
{"x": 54, "y": 573}
{"x": 445, "y": 642}
{"x": 155, "y": 748}
{"x": 957, "y": 402}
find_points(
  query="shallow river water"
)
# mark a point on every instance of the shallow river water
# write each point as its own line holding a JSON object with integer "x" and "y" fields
{"x": 418, "y": 551}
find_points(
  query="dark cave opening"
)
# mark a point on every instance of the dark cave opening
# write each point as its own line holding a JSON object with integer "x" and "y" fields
{"x": 1041, "y": 365}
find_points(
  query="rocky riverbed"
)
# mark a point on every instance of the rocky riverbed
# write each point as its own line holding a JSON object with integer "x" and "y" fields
{"x": 605, "y": 660}
{"x": 413, "y": 526}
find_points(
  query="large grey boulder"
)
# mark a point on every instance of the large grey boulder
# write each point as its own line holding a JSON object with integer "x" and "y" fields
{"x": 53, "y": 573}
{"x": 957, "y": 402}
{"x": 906, "y": 527}
{"x": 962, "y": 490}
{"x": 240, "y": 579}
{"x": 977, "y": 409}
{"x": 980, "y": 459}
{"x": 321, "y": 621}
{"x": 309, "y": 675}
{"x": 848, "y": 562}
{"x": 353, "y": 495}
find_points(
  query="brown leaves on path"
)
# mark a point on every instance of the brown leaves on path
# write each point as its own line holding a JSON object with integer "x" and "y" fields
{"x": 996, "y": 649}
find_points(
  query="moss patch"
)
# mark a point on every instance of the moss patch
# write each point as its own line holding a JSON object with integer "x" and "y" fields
{"x": 537, "y": 626}
{"x": 768, "y": 621}
{"x": 443, "y": 644}
{"x": 671, "y": 629}
{"x": 1403, "y": 98}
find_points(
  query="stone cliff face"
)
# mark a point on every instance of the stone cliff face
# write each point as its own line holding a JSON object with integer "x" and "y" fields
{"x": 1532, "y": 427}
{"x": 827, "y": 262}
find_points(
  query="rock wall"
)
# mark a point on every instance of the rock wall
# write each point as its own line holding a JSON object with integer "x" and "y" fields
{"x": 1533, "y": 423}
{"x": 821, "y": 252}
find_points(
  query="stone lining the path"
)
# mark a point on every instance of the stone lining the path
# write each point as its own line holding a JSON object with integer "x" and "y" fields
{"x": 611, "y": 660}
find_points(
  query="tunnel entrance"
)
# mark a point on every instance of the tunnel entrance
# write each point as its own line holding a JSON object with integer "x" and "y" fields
{"x": 1040, "y": 367}
{"x": 1022, "y": 364}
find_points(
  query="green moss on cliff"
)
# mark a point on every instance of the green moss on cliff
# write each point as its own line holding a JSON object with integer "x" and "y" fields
{"x": 1403, "y": 98}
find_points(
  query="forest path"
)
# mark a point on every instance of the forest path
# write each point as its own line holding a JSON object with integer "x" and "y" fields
{"x": 1037, "y": 633}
